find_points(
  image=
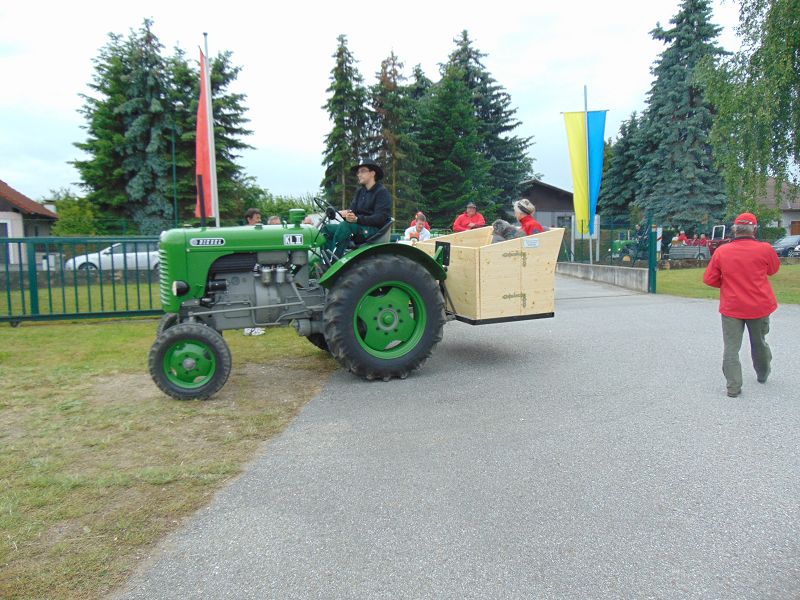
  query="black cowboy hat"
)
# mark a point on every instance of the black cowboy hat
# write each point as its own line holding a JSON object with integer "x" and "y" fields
{"x": 371, "y": 165}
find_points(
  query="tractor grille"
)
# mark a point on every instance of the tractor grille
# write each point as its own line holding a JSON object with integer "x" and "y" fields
{"x": 234, "y": 263}
{"x": 165, "y": 282}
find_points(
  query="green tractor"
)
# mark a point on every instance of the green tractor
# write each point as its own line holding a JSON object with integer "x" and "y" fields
{"x": 379, "y": 310}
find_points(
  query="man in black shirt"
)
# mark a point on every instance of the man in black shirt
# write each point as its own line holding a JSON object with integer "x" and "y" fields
{"x": 370, "y": 210}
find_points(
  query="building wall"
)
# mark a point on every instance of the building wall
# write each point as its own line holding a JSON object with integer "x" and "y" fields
{"x": 11, "y": 225}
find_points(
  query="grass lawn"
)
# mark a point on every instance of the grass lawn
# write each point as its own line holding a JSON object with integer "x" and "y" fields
{"x": 97, "y": 465}
{"x": 689, "y": 283}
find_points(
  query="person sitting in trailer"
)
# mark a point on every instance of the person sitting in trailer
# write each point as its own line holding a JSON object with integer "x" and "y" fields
{"x": 418, "y": 233}
{"x": 524, "y": 210}
{"x": 469, "y": 219}
{"x": 703, "y": 240}
{"x": 695, "y": 240}
{"x": 682, "y": 239}
{"x": 416, "y": 216}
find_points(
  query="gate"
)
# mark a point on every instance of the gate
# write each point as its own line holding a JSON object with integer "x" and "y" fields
{"x": 50, "y": 278}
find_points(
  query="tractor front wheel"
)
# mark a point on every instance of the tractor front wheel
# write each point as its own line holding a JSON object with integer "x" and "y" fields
{"x": 190, "y": 361}
{"x": 167, "y": 320}
{"x": 383, "y": 317}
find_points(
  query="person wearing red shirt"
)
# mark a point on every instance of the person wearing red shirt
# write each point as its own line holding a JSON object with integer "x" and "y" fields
{"x": 524, "y": 211}
{"x": 682, "y": 239}
{"x": 414, "y": 222}
{"x": 740, "y": 270}
{"x": 469, "y": 219}
{"x": 703, "y": 240}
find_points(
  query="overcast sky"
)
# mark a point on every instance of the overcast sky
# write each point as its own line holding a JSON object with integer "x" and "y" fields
{"x": 543, "y": 53}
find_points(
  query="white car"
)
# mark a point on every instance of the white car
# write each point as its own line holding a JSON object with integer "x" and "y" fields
{"x": 125, "y": 256}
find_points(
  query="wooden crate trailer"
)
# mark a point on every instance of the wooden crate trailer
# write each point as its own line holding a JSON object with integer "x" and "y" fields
{"x": 506, "y": 281}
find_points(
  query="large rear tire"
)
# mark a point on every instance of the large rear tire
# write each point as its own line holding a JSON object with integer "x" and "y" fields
{"x": 190, "y": 361}
{"x": 383, "y": 317}
{"x": 319, "y": 341}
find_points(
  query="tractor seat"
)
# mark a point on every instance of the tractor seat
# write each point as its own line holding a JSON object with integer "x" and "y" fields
{"x": 382, "y": 236}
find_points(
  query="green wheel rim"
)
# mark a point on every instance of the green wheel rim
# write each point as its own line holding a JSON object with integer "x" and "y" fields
{"x": 390, "y": 320}
{"x": 190, "y": 364}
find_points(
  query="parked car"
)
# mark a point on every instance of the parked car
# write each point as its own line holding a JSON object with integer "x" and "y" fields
{"x": 125, "y": 256}
{"x": 787, "y": 244}
{"x": 795, "y": 252}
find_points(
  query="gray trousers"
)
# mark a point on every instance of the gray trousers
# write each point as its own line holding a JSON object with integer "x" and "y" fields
{"x": 732, "y": 332}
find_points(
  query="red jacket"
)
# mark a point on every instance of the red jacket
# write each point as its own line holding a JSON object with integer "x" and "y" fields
{"x": 463, "y": 221}
{"x": 740, "y": 269}
{"x": 530, "y": 225}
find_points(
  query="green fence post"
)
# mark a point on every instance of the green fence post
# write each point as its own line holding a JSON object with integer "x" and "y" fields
{"x": 33, "y": 283}
{"x": 651, "y": 262}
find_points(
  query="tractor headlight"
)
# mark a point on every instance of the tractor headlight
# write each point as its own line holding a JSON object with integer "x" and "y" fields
{"x": 180, "y": 288}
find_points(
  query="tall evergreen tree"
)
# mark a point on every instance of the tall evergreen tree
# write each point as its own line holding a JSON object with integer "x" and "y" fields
{"x": 456, "y": 171}
{"x": 347, "y": 141}
{"x": 395, "y": 146}
{"x": 101, "y": 173}
{"x": 140, "y": 101}
{"x": 506, "y": 153}
{"x": 619, "y": 188}
{"x": 679, "y": 183}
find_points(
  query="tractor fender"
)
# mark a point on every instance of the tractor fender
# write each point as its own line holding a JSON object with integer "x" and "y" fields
{"x": 365, "y": 252}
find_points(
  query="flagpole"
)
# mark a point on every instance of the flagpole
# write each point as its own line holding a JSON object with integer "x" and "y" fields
{"x": 211, "y": 150}
{"x": 588, "y": 178}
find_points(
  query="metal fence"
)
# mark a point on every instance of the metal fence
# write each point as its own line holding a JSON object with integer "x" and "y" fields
{"x": 48, "y": 278}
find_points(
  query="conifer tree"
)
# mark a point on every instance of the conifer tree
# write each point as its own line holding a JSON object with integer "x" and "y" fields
{"x": 456, "y": 171}
{"x": 140, "y": 101}
{"x": 347, "y": 141}
{"x": 619, "y": 188}
{"x": 506, "y": 153}
{"x": 395, "y": 146}
{"x": 678, "y": 181}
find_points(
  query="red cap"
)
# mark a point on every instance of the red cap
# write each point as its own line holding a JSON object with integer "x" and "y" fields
{"x": 746, "y": 219}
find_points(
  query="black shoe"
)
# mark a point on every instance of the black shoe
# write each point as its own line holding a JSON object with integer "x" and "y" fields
{"x": 763, "y": 379}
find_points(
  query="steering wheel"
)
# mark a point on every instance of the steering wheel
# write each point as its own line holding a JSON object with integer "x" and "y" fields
{"x": 329, "y": 212}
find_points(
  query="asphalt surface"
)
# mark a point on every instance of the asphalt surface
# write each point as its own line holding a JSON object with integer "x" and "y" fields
{"x": 593, "y": 455}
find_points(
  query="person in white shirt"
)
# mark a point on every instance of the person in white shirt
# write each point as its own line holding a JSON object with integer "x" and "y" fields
{"x": 418, "y": 232}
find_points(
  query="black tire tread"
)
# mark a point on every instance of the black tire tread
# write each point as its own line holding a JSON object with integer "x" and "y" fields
{"x": 165, "y": 322}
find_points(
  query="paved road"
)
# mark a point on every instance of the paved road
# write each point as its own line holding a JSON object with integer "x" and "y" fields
{"x": 594, "y": 455}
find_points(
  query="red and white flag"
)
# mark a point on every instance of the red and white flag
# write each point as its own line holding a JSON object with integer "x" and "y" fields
{"x": 206, "y": 164}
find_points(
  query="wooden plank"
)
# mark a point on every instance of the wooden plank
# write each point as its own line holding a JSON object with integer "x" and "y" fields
{"x": 538, "y": 271}
{"x": 499, "y": 288}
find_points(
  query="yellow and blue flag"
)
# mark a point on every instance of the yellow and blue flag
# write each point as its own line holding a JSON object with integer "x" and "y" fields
{"x": 585, "y": 131}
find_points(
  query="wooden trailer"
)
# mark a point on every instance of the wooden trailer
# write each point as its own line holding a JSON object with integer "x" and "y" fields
{"x": 507, "y": 281}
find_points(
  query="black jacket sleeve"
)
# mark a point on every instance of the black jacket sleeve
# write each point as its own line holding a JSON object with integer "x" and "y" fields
{"x": 380, "y": 211}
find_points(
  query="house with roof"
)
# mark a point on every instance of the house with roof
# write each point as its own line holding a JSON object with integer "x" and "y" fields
{"x": 788, "y": 205}
{"x": 21, "y": 217}
{"x": 553, "y": 205}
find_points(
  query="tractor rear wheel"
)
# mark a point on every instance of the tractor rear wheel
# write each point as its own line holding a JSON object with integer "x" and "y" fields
{"x": 383, "y": 317}
{"x": 190, "y": 361}
{"x": 319, "y": 341}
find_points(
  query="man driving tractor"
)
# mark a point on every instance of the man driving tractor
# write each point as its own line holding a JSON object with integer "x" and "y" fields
{"x": 370, "y": 210}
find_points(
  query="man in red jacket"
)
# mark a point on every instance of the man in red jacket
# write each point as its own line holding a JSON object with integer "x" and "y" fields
{"x": 740, "y": 269}
{"x": 469, "y": 219}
